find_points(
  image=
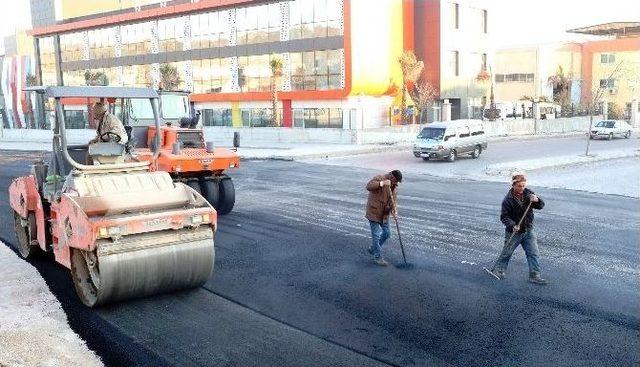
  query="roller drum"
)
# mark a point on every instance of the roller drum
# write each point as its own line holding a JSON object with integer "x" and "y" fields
{"x": 143, "y": 264}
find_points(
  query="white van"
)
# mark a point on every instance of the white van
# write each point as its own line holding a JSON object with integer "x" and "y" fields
{"x": 450, "y": 139}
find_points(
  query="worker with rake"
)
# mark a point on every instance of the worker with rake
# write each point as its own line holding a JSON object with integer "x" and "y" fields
{"x": 518, "y": 221}
{"x": 380, "y": 204}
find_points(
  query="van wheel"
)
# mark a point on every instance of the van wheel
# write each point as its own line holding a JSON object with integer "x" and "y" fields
{"x": 627, "y": 135}
{"x": 452, "y": 156}
{"x": 476, "y": 152}
{"x": 425, "y": 159}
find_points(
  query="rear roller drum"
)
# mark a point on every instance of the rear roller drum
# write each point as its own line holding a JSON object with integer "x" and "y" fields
{"x": 227, "y": 196}
{"x": 211, "y": 191}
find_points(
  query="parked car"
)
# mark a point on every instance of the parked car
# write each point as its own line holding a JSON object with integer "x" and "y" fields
{"x": 610, "y": 128}
{"x": 448, "y": 140}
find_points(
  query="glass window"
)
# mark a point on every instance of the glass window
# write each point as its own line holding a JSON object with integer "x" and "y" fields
{"x": 316, "y": 70}
{"x": 258, "y": 24}
{"x": 136, "y": 39}
{"x": 71, "y": 46}
{"x": 455, "y": 15}
{"x": 174, "y": 106}
{"x": 102, "y": 43}
{"x": 314, "y": 18}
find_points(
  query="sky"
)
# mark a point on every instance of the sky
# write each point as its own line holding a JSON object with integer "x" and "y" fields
{"x": 513, "y": 22}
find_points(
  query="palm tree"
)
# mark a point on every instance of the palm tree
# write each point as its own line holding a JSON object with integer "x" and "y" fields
{"x": 169, "y": 77}
{"x": 276, "y": 66}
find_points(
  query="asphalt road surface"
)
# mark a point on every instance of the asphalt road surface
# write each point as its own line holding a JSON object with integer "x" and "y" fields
{"x": 293, "y": 284}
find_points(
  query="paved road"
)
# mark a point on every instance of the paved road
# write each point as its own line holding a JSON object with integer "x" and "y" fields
{"x": 293, "y": 286}
{"x": 498, "y": 152}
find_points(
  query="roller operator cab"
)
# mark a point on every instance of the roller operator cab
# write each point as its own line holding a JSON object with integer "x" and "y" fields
{"x": 122, "y": 229}
{"x": 451, "y": 139}
{"x": 184, "y": 153}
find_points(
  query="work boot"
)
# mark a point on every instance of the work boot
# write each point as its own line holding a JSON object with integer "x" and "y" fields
{"x": 380, "y": 261}
{"x": 536, "y": 279}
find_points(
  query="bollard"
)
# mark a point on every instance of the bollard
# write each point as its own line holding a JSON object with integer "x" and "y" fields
{"x": 236, "y": 139}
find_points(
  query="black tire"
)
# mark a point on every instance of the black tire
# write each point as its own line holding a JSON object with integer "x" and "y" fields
{"x": 610, "y": 136}
{"x": 425, "y": 159}
{"x": 211, "y": 192}
{"x": 26, "y": 235}
{"x": 627, "y": 135}
{"x": 476, "y": 152}
{"x": 452, "y": 155}
{"x": 227, "y": 196}
{"x": 194, "y": 184}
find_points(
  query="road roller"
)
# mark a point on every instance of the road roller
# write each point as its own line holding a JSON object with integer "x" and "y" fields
{"x": 183, "y": 150}
{"x": 123, "y": 228}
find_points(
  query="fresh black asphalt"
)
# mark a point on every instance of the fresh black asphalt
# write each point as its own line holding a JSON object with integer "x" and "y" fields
{"x": 293, "y": 285}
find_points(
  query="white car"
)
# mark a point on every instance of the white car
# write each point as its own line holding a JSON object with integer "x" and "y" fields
{"x": 610, "y": 128}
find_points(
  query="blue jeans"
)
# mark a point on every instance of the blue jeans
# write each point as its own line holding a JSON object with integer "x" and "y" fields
{"x": 529, "y": 245}
{"x": 379, "y": 235}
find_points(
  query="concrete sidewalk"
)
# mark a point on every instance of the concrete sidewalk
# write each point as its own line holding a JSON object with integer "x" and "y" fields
{"x": 33, "y": 326}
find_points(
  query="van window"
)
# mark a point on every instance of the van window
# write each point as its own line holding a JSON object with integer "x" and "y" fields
{"x": 432, "y": 133}
{"x": 447, "y": 137}
{"x": 463, "y": 132}
{"x": 480, "y": 132}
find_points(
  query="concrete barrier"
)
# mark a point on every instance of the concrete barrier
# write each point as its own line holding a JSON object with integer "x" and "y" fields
{"x": 264, "y": 136}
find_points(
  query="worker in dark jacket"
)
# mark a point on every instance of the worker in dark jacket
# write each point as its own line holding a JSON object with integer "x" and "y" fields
{"x": 514, "y": 205}
{"x": 380, "y": 204}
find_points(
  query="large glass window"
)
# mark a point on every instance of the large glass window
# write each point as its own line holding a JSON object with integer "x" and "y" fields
{"x": 170, "y": 34}
{"x": 137, "y": 76}
{"x": 254, "y": 73}
{"x": 47, "y": 61}
{"x": 258, "y": 24}
{"x": 136, "y": 39}
{"x": 316, "y": 70}
{"x": 216, "y": 117}
{"x": 72, "y": 46}
{"x": 211, "y": 76}
{"x": 314, "y": 18}
{"x": 102, "y": 43}
{"x": 317, "y": 118}
{"x": 209, "y": 30}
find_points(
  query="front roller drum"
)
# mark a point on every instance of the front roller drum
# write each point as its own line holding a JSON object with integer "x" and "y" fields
{"x": 143, "y": 264}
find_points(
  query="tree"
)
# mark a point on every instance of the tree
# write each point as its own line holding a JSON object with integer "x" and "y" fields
{"x": 276, "y": 66}
{"x": 411, "y": 69}
{"x": 97, "y": 78}
{"x": 169, "y": 77}
{"x": 561, "y": 85}
{"x": 31, "y": 80}
{"x": 594, "y": 98}
{"x": 423, "y": 94}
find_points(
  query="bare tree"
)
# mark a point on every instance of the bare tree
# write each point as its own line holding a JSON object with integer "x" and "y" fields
{"x": 424, "y": 93}
{"x": 594, "y": 97}
{"x": 276, "y": 66}
{"x": 411, "y": 70}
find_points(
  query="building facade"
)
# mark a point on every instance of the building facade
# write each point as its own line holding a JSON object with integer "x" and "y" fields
{"x": 340, "y": 67}
{"x": 606, "y": 70}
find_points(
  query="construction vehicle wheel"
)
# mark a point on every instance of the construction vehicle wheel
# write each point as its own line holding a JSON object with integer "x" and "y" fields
{"x": 211, "y": 192}
{"x": 26, "y": 232}
{"x": 86, "y": 276}
{"x": 227, "y": 196}
{"x": 194, "y": 184}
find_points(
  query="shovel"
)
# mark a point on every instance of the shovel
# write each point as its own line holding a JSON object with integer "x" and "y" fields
{"x": 393, "y": 204}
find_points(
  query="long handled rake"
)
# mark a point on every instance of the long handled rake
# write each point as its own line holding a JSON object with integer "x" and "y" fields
{"x": 395, "y": 218}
